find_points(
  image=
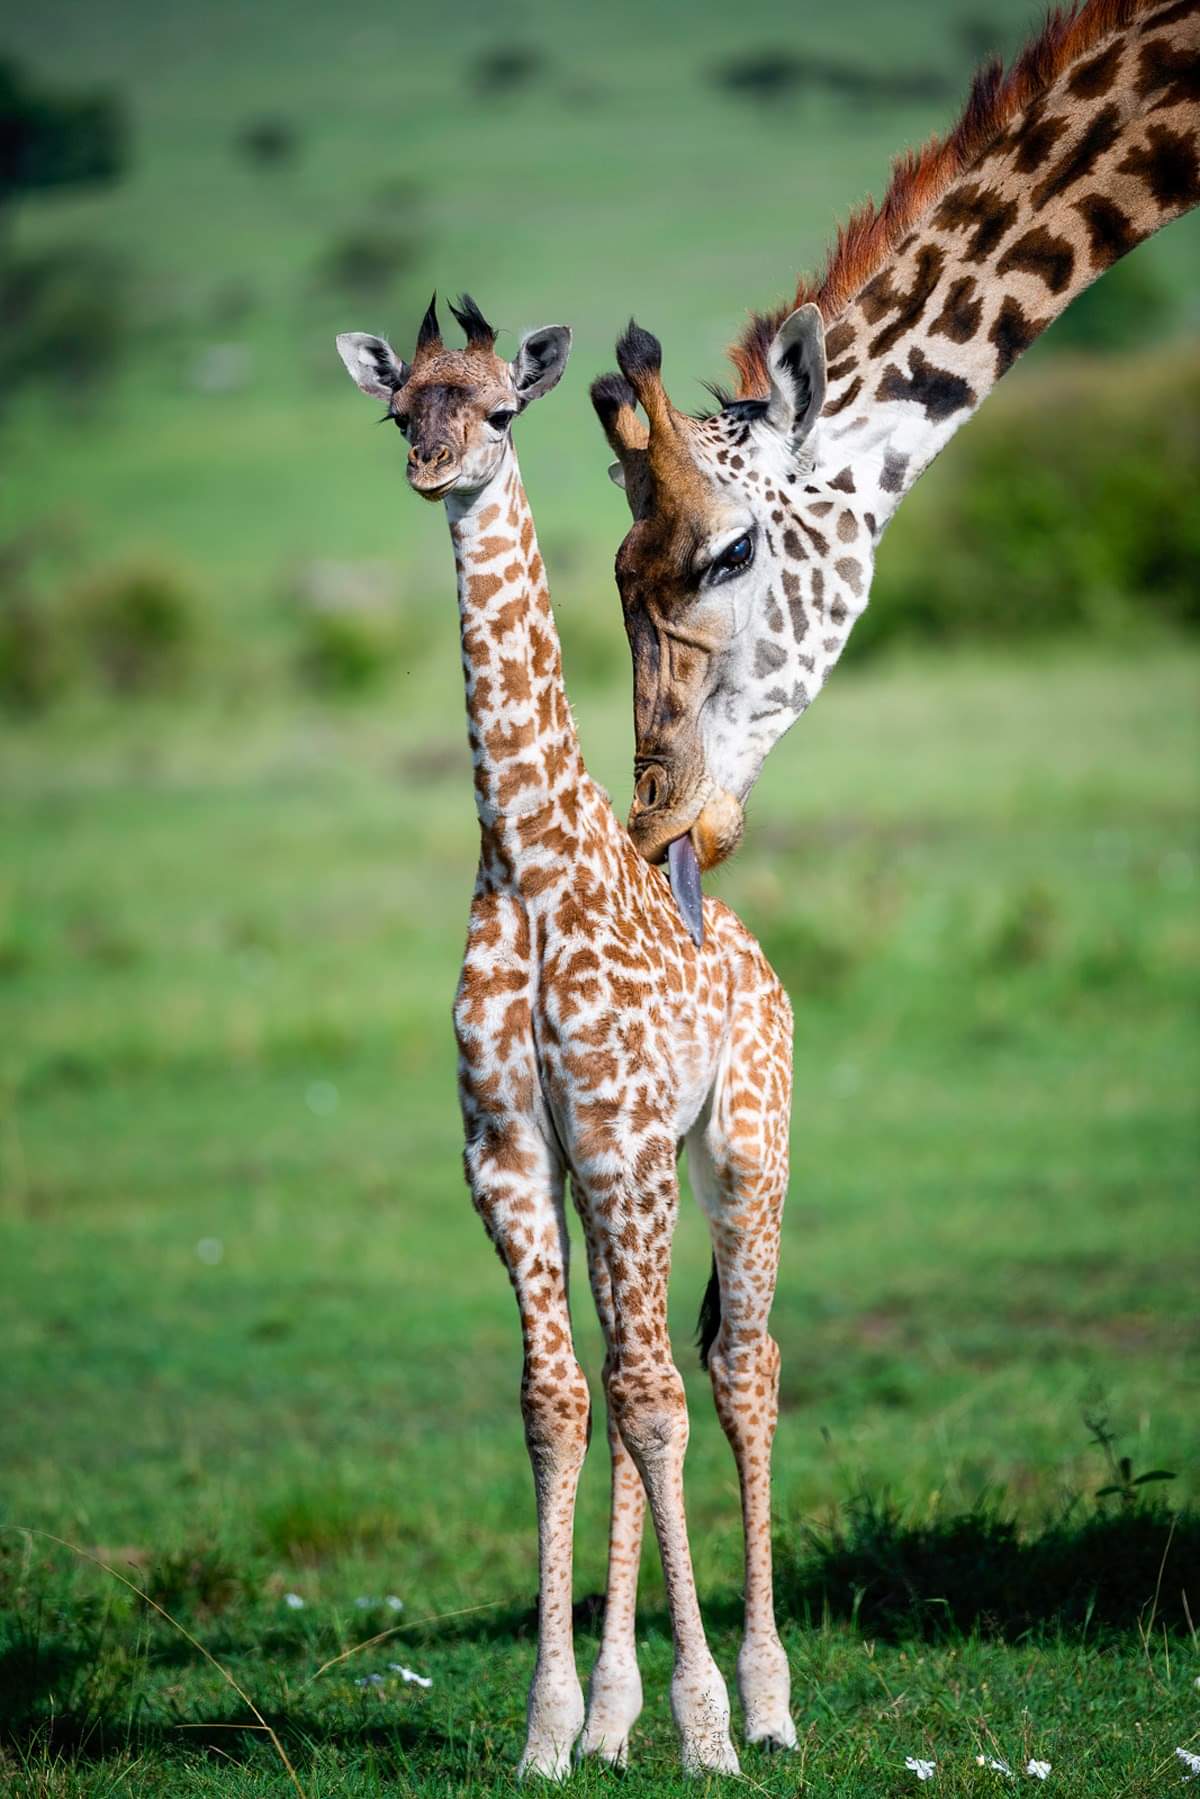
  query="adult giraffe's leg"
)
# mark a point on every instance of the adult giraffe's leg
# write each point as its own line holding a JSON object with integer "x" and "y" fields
{"x": 647, "y": 1398}
{"x": 518, "y": 1190}
{"x": 738, "y": 1163}
{"x": 615, "y": 1689}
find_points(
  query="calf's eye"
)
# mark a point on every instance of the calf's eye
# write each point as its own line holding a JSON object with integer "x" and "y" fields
{"x": 500, "y": 421}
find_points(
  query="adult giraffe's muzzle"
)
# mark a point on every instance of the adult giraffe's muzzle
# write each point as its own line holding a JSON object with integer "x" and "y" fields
{"x": 691, "y": 833}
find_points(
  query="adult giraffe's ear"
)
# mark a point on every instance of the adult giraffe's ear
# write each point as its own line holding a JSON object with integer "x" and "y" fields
{"x": 539, "y": 362}
{"x": 372, "y": 363}
{"x": 796, "y": 364}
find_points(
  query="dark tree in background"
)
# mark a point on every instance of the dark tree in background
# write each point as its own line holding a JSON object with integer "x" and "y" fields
{"x": 56, "y": 139}
{"x": 53, "y": 300}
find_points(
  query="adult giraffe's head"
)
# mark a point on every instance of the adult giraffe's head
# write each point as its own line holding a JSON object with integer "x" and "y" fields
{"x": 755, "y": 530}
{"x": 455, "y": 407}
{"x": 747, "y": 562}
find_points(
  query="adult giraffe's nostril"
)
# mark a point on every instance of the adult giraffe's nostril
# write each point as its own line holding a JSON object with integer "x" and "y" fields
{"x": 650, "y": 789}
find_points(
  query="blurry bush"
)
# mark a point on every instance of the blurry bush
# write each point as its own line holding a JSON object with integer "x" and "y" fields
{"x": 351, "y": 629}
{"x": 66, "y": 308}
{"x": 368, "y": 258}
{"x": 506, "y": 69}
{"x": 52, "y": 139}
{"x": 776, "y": 74}
{"x": 268, "y": 143}
{"x": 31, "y": 659}
{"x": 135, "y": 625}
{"x": 1130, "y": 306}
{"x": 1068, "y": 504}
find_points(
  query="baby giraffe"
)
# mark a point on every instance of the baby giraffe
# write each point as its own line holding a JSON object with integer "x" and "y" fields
{"x": 595, "y": 1035}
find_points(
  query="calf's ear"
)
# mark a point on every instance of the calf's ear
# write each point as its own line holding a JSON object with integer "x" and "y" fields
{"x": 540, "y": 361}
{"x": 372, "y": 364}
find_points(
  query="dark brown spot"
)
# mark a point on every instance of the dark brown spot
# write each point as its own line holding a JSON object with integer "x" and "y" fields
{"x": 817, "y": 538}
{"x": 833, "y": 407}
{"x": 844, "y": 482}
{"x": 1039, "y": 252}
{"x": 880, "y": 297}
{"x": 938, "y": 391}
{"x": 851, "y": 573}
{"x": 1012, "y": 333}
{"x": 1175, "y": 74}
{"x": 1096, "y": 76}
{"x": 1167, "y": 164}
{"x": 983, "y": 212}
{"x": 895, "y": 467}
{"x": 1099, "y": 137}
{"x": 960, "y": 314}
{"x": 768, "y": 657}
{"x": 795, "y": 604}
{"x": 1110, "y": 231}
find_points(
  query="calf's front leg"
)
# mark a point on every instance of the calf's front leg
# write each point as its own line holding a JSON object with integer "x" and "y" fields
{"x": 518, "y": 1190}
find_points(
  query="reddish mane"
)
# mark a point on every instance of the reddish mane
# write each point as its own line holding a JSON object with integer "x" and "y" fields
{"x": 920, "y": 177}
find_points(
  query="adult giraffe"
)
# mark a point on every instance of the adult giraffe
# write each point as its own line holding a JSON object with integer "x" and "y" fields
{"x": 755, "y": 528}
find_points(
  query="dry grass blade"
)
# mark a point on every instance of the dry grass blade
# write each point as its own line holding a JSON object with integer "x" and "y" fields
{"x": 29, "y": 1531}
{"x": 395, "y": 1629}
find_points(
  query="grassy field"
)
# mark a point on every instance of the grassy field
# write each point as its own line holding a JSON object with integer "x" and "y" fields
{"x": 258, "y": 1344}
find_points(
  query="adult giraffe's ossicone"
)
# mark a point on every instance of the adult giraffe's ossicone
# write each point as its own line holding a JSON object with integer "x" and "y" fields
{"x": 755, "y": 528}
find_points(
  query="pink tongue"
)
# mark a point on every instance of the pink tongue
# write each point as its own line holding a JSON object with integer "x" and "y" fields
{"x": 684, "y": 871}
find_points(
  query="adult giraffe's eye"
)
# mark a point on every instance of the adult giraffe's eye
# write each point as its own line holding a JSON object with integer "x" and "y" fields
{"x": 500, "y": 421}
{"x": 401, "y": 419}
{"x": 733, "y": 559}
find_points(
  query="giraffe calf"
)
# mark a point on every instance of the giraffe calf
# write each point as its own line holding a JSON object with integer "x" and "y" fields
{"x": 595, "y": 1035}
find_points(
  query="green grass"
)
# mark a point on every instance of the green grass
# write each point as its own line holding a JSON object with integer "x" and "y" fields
{"x": 227, "y": 945}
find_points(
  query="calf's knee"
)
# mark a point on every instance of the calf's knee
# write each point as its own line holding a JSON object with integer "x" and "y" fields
{"x": 651, "y": 1412}
{"x": 556, "y": 1408}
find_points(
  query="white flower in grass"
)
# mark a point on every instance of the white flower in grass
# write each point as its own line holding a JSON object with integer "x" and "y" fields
{"x": 294, "y": 1602}
{"x": 1191, "y": 1763}
{"x": 922, "y": 1769}
{"x": 1039, "y": 1770}
{"x": 411, "y": 1675}
{"x": 393, "y": 1604}
{"x": 997, "y": 1767}
{"x": 369, "y": 1680}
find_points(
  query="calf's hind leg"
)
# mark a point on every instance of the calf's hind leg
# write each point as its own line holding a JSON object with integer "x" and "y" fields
{"x": 648, "y": 1403}
{"x": 614, "y": 1698}
{"x": 738, "y": 1164}
{"x": 518, "y": 1190}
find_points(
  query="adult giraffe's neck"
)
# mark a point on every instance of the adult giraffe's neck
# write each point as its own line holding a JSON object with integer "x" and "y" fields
{"x": 1095, "y": 160}
{"x": 524, "y": 747}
